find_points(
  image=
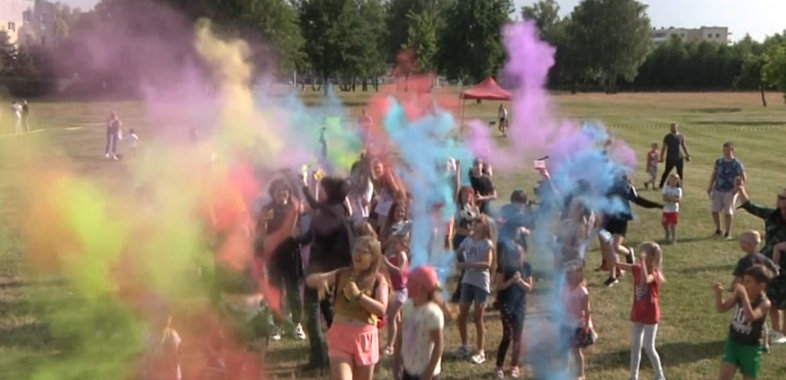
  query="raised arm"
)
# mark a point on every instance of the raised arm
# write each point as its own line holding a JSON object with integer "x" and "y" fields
{"x": 722, "y": 306}
{"x": 746, "y": 204}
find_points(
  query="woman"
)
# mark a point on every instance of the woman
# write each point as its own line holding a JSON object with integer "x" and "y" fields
{"x": 113, "y": 126}
{"x": 774, "y": 233}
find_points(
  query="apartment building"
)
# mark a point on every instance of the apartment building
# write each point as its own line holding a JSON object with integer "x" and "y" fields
{"x": 28, "y": 22}
{"x": 717, "y": 34}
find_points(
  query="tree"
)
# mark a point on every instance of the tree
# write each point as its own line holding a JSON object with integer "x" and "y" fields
{"x": 752, "y": 76}
{"x": 471, "y": 43}
{"x": 372, "y": 13}
{"x": 545, "y": 14}
{"x": 614, "y": 36}
{"x": 774, "y": 70}
{"x": 398, "y": 22}
{"x": 24, "y": 65}
{"x": 7, "y": 54}
{"x": 423, "y": 40}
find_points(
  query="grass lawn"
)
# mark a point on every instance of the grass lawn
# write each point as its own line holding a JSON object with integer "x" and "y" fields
{"x": 691, "y": 334}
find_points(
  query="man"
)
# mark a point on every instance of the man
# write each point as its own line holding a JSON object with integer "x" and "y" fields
{"x": 674, "y": 145}
{"x": 18, "y": 113}
{"x": 25, "y": 116}
{"x": 485, "y": 191}
{"x": 721, "y": 188}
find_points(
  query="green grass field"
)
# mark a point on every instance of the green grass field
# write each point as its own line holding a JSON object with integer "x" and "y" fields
{"x": 691, "y": 334}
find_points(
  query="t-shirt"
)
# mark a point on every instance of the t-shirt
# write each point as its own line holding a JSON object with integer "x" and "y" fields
{"x": 673, "y": 146}
{"x": 646, "y": 309}
{"x": 727, "y": 171}
{"x": 133, "y": 140}
{"x": 17, "y": 110}
{"x": 515, "y": 296}
{"x": 742, "y": 331}
{"x": 750, "y": 260}
{"x": 652, "y": 160}
{"x": 503, "y": 113}
{"x": 477, "y": 251}
{"x": 417, "y": 324}
{"x": 675, "y": 192}
{"x": 484, "y": 186}
{"x": 572, "y": 300}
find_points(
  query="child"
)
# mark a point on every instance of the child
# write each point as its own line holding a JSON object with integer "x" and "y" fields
{"x": 514, "y": 281}
{"x": 577, "y": 327}
{"x": 360, "y": 297}
{"x": 396, "y": 219}
{"x": 133, "y": 141}
{"x": 749, "y": 243}
{"x": 743, "y": 348}
{"x": 647, "y": 277}
{"x": 423, "y": 325}
{"x": 475, "y": 284}
{"x": 653, "y": 158}
{"x": 397, "y": 263}
{"x": 672, "y": 196}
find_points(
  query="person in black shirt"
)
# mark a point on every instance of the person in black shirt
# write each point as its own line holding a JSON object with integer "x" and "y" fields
{"x": 513, "y": 282}
{"x": 674, "y": 145}
{"x": 480, "y": 179}
{"x": 743, "y": 349}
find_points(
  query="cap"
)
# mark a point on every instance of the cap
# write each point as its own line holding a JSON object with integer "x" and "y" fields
{"x": 424, "y": 276}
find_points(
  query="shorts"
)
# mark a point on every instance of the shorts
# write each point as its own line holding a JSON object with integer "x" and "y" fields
{"x": 746, "y": 358}
{"x": 723, "y": 202}
{"x": 776, "y": 292}
{"x": 653, "y": 171}
{"x": 670, "y": 218}
{"x": 400, "y": 296}
{"x": 576, "y": 337}
{"x": 472, "y": 294}
{"x": 359, "y": 344}
{"x": 617, "y": 226}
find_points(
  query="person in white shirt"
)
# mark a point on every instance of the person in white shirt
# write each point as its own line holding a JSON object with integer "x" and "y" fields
{"x": 672, "y": 196}
{"x": 18, "y": 113}
{"x": 503, "y": 119}
{"x": 133, "y": 141}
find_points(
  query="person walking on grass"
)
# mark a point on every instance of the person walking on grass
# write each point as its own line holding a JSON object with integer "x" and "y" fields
{"x": 25, "y": 116}
{"x": 653, "y": 158}
{"x": 503, "y": 120}
{"x": 18, "y": 114}
{"x": 113, "y": 126}
{"x": 672, "y": 196}
{"x": 672, "y": 153}
{"x": 721, "y": 189}
{"x": 647, "y": 278}
{"x": 513, "y": 282}
{"x": 775, "y": 234}
{"x": 743, "y": 348}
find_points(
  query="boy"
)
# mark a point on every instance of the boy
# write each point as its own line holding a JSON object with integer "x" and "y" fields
{"x": 749, "y": 243}
{"x": 653, "y": 157}
{"x": 743, "y": 348}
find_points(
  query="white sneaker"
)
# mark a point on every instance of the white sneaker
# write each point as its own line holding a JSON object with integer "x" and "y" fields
{"x": 115, "y": 157}
{"x": 107, "y": 156}
{"x": 276, "y": 336}
{"x": 299, "y": 334}
{"x": 479, "y": 358}
{"x": 777, "y": 337}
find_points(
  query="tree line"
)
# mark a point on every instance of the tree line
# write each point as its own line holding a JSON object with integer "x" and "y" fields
{"x": 601, "y": 44}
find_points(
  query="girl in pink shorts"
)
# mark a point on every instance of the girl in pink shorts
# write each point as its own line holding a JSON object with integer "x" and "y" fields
{"x": 361, "y": 296}
{"x": 397, "y": 263}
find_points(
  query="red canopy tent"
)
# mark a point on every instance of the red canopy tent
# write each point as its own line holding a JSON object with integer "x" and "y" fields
{"x": 486, "y": 90}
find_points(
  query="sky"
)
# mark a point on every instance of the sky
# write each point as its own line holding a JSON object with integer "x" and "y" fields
{"x": 759, "y": 18}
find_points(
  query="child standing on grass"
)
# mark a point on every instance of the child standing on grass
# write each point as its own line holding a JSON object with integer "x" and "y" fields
{"x": 397, "y": 263}
{"x": 475, "y": 284}
{"x": 577, "y": 331}
{"x": 514, "y": 281}
{"x": 653, "y": 158}
{"x": 647, "y": 278}
{"x": 672, "y": 196}
{"x": 361, "y": 296}
{"x": 133, "y": 141}
{"x": 420, "y": 344}
{"x": 743, "y": 348}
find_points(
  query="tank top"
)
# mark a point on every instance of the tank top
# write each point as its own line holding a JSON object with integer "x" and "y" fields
{"x": 397, "y": 281}
{"x": 744, "y": 332}
{"x": 352, "y": 308}
{"x": 646, "y": 308}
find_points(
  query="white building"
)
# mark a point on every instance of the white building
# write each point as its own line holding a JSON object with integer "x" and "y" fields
{"x": 28, "y": 22}
{"x": 705, "y": 33}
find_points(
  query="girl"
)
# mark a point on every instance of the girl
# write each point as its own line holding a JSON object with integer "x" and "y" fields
{"x": 360, "y": 192}
{"x": 672, "y": 196}
{"x": 514, "y": 281}
{"x": 577, "y": 326}
{"x": 647, "y": 277}
{"x": 360, "y": 297}
{"x": 389, "y": 190}
{"x": 475, "y": 284}
{"x": 423, "y": 325}
{"x": 574, "y": 234}
{"x": 466, "y": 213}
{"x": 397, "y": 263}
{"x": 397, "y": 218}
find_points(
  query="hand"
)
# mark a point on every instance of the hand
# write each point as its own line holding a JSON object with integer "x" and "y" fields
{"x": 351, "y": 290}
{"x": 323, "y": 288}
{"x": 687, "y": 158}
{"x": 739, "y": 184}
{"x": 709, "y": 191}
{"x": 517, "y": 276}
{"x": 717, "y": 288}
{"x": 545, "y": 173}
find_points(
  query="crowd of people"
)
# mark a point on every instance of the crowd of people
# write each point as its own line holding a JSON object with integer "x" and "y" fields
{"x": 339, "y": 252}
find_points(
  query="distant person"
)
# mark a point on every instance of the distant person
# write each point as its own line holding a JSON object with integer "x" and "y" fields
{"x": 653, "y": 158}
{"x": 721, "y": 189}
{"x": 18, "y": 113}
{"x": 503, "y": 119}
{"x": 672, "y": 197}
{"x": 26, "y": 116}
{"x": 133, "y": 141}
{"x": 113, "y": 126}
{"x": 671, "y": 152}
{"x": 480, "y": 179}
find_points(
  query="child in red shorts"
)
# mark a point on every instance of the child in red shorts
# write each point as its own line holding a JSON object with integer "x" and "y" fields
{"x": 672, "y": 196}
